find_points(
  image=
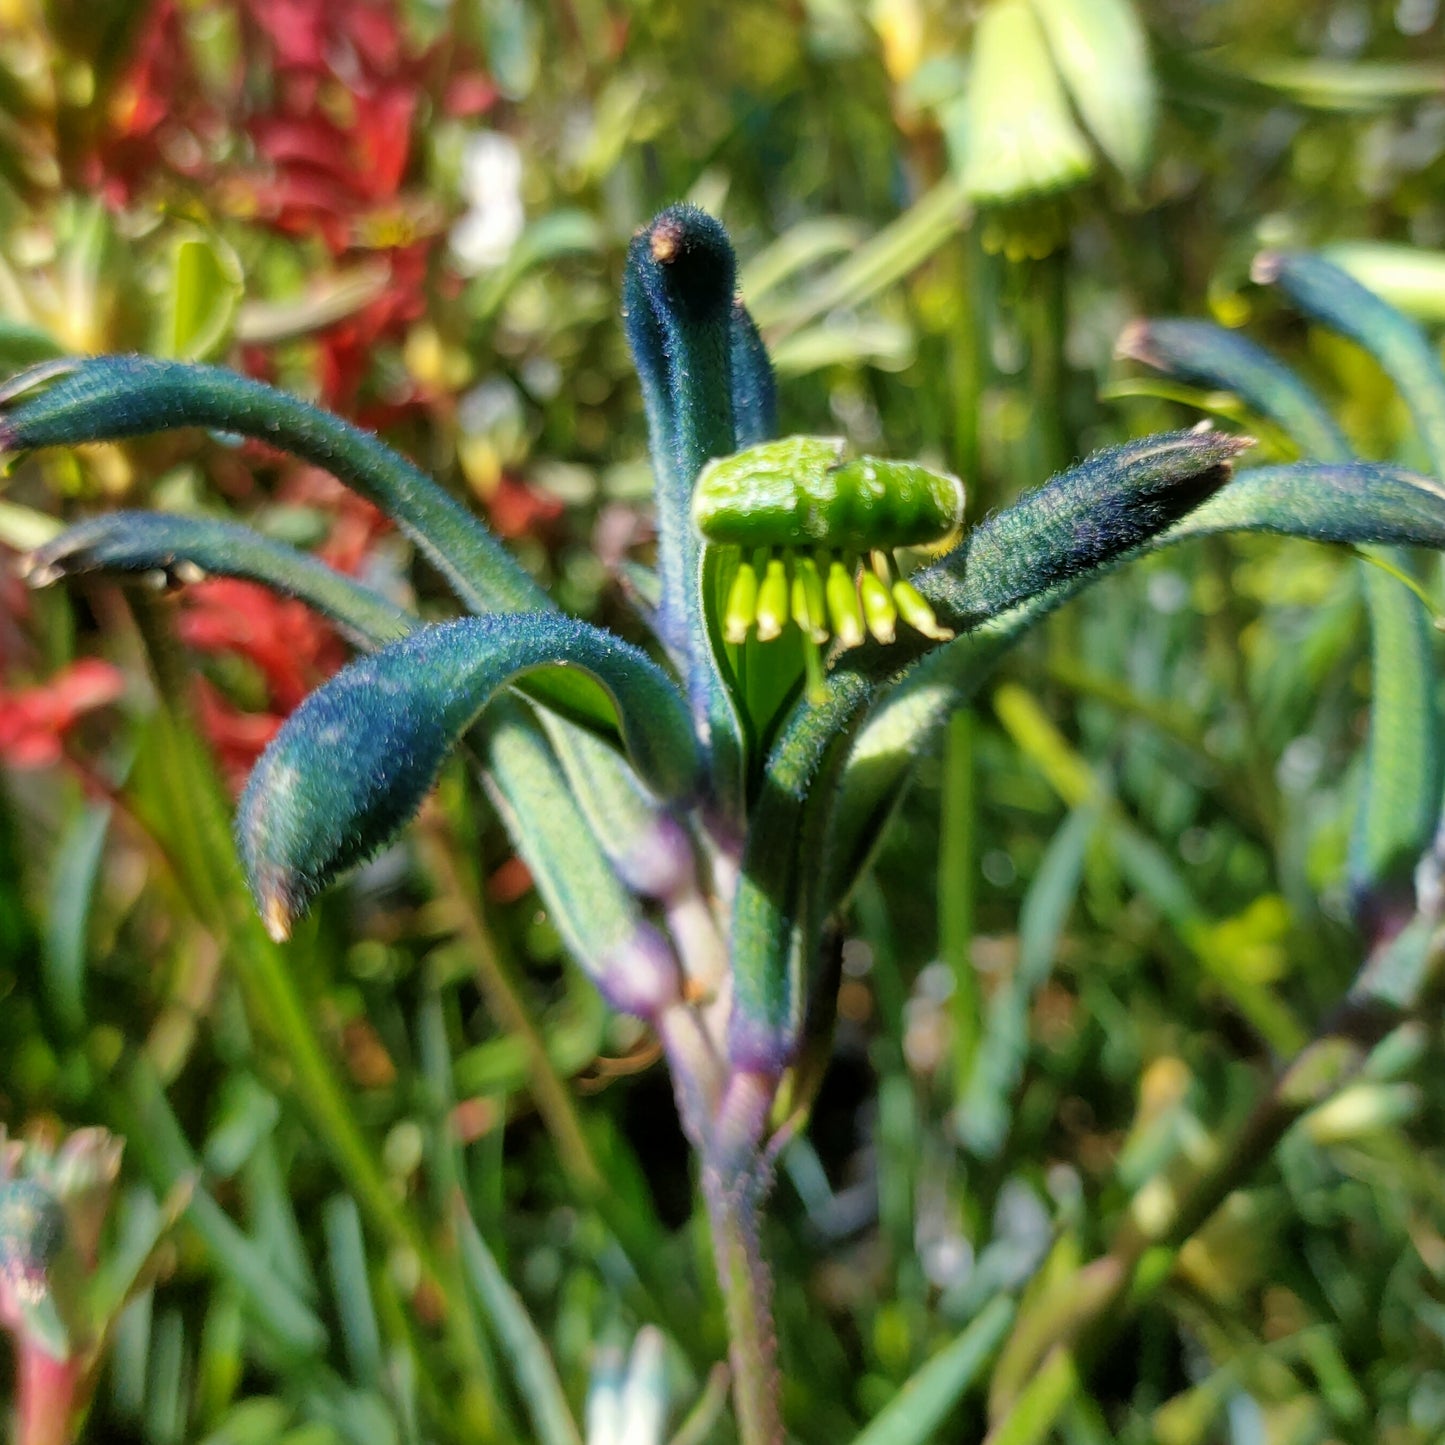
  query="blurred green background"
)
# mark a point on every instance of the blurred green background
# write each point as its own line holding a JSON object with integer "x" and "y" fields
{"x": 1109, "y": 906}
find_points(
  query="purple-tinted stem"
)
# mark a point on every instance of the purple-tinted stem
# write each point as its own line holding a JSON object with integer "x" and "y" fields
{"x": 725, "y": 1116}
{"x": 50, "y": 1396}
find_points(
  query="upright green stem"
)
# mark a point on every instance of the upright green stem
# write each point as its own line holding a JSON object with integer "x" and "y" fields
{"x": 748, "y": 1302}
{"x": 725, "y": 1119}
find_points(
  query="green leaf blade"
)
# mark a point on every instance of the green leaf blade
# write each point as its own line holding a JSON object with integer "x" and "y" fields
{"x": 922, "y": 1405}
{"x": 532, "y": 1366}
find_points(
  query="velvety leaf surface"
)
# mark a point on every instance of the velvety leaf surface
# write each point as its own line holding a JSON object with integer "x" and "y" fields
{"x": 185, "y": 549}
{"x": 109, "y": 398}
{"x": 355, "y": 760}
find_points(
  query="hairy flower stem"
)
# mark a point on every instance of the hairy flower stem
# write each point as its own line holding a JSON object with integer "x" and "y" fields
{"x": 747, "y": 1289}
{"x": 736, "y": 1175}
{"x": 725, "y": 1119}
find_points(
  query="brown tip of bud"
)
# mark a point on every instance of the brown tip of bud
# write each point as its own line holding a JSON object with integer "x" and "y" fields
{"x": 665, "y": 241}
{"x": 277, "y": 918}
{"x": 1133, "y": 343}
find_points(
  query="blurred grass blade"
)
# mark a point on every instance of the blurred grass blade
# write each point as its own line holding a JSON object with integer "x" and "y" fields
{"x": 259, "y": 1420}
{"x": 799, "y": 248}
{"x": 155, "y": 1138}
{"x": 327, "y": 299}
{"x": 702, "y": 1419}
{"x": 1102, "y": 53}
{"x": 1400, "y": 810}
{"x": 549, "y": 238}
{"x": 1335, "y": 299}
{"x": 984, "y": 1113}
{"x": 24, "y": 345}
{"x": 903, "y": 245}
{"x": 186, "y": 549}
{"x": 1408, "y": 277}
{"x": 923, "y": 1404}
{"x": 1203, "y": 354}
{"x": 354, "y": 762}
{"x": 110, "y": 398}
{"x": 24, "y": 528}
{"x": 74, "y": 876}
{"x": 532, "y": 1366}
{"x": 1354, "y": 86}
{"x": 346, "y": 1260}
{"x": 1149, "y": 869}
{"x": 1031, "y": 1420}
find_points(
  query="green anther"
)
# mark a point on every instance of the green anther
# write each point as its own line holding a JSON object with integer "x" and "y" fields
{"x": 917, "y": 613}
{"x": 813, "y": 670}
{"x": 878, "y": 609}
{"x": 845, "y": 611}
{"x": 742, "y": 605}
{"x": 810, "y": 610}
{"x": 773, "y": 600}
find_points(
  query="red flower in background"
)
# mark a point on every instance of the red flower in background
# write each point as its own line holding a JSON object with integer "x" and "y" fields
{"x": 291, "y": 648}
{"x": 328, "y": 97}
{"x": 310, "y": 134}
{"x": 34, "y": 720}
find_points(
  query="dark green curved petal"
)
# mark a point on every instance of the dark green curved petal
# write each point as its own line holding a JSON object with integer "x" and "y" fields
{"x": 355, "y": 760}
{"x": 678, "y": 292}
{"x": 1084, "y": 518}
{"x": 1333, "y": 297}
{"x": 108, "y": 398}
{"x": 187, "y": 548}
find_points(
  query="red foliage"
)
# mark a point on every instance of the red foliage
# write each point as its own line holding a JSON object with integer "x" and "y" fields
{"x": 331, "y": 139}
{"x": 35, "y": 720}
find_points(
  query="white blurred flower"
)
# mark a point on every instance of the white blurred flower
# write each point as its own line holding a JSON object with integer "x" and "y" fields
{"x": 492, "y": 188}
{"x": 627, "y": 1403}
